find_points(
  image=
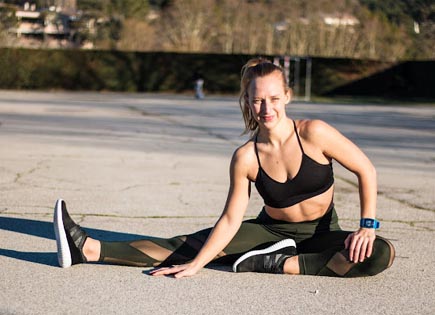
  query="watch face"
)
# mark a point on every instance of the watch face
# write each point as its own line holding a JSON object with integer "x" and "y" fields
{"x": 369, "y": 223}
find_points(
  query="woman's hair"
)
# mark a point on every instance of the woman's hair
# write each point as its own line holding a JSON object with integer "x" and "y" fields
{"x": 256, "y": 67}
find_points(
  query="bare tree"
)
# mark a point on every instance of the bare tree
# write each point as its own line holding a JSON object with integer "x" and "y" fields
{"x": 284, "y": 27}
{"x": 229, "y": 15}
{"x": 137, "y": 35}
{"x": 188, "y": 26}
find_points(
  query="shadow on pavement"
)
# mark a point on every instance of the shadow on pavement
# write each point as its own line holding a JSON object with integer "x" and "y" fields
{"x": 43, "y": 258}
{"x": 45, "y": 230}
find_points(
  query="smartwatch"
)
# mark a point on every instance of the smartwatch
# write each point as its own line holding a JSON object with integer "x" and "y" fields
{"x": 369, "y": 223}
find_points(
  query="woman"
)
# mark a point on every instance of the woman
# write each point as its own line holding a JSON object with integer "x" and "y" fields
{"x": 296, "y": 232}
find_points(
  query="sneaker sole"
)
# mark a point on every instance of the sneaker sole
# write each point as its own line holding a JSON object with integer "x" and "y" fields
{"x": 63, "y": 251}
{"x": 280, "y": 245}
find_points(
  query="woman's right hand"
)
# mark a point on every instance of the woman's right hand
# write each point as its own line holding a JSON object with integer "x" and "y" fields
{"x": 229, "y": 222}
{"x": 178, "y": 271}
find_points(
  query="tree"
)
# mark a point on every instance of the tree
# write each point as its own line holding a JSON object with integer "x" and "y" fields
{"x": 7, "y": 21}
{"x": 137, "y": 35}
{"x": 129, "y": 8}
{"x": 188, "y": 26}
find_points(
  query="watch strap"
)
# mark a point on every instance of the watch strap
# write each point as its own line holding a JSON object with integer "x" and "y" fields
{"x": 369, "y": 223}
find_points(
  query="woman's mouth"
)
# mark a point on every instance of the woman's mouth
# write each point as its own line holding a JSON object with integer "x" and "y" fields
{"x": 267, "y": 118}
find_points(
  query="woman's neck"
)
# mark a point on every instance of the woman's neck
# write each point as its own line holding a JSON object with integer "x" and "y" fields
{"x": 278, "y": 135}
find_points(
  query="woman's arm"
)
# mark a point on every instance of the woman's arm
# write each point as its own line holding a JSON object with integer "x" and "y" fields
{"x": 336, "y": 146}
{"x": 227, "y": 225}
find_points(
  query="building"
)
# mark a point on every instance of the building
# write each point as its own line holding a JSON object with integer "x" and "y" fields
{"x": 340, "y": 20}
{"x": 47, "y": 27}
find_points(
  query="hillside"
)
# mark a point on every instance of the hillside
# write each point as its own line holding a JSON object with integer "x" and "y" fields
{"x": 366, "y": 29}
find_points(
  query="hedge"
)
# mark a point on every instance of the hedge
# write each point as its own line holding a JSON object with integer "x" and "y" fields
{"x": 173, "y": 72}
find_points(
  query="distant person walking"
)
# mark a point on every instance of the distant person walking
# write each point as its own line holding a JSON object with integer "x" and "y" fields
{"x": 296, "y": 232}
{"x": 198, "y": 85}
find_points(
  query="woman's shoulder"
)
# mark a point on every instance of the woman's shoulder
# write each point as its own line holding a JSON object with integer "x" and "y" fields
{"x": 244, "y": 160}
{"x": 310, "y": 129}
{"x": 245, "y": 152}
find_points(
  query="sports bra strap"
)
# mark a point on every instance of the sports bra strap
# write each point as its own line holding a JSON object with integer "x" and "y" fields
{"x": 256, "y": 150}
{"x": 297, "y": 135}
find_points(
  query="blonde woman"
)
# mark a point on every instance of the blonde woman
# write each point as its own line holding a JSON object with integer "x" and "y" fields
{"x": 296, "y": 232}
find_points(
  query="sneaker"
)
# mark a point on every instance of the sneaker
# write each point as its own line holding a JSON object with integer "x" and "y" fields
{"x": 269, "y": 260}
{"x": 70, "y": 237}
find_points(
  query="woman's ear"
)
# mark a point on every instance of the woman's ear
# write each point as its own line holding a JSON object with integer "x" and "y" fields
{"x": 289, "y": 95}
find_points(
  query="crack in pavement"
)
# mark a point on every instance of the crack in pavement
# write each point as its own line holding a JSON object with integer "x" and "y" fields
{"x": 56, "y": 188}
{"x": 387, "y": 196}
{"x": 175, "y": 122}
{"x": 413, "y": 223}
{"x": 19, "y": 176}
{"x": 131, "y": 187}
{"x": 115, "y": 216}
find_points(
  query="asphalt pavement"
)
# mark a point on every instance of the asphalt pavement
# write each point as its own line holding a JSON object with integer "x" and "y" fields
{"x": 134, "y": 165}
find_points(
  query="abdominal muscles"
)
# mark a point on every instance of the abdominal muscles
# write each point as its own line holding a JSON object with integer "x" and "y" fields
{"x": 307, "y": 210}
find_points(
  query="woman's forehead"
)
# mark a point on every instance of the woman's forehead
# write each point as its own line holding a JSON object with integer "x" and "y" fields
{"x": 269, "y": 83}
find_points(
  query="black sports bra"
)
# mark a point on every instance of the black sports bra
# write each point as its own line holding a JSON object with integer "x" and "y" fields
{"x": 311, "y": 180}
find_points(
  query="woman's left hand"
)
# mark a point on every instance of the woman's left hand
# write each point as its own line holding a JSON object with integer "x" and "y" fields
{"x": 178, "y": 271}
{"x": 360, "y": 244}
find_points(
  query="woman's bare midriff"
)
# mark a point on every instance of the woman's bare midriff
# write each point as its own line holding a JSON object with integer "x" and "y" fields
{"x": 307, "y": 210}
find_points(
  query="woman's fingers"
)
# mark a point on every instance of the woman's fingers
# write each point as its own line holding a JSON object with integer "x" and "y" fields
{"x": 178, "y": 271}
{"x": 354, "y": 249}
{"x": 363, "y": 250}
{"x": 166, "y": 271}
{"x": 360, "y": 245}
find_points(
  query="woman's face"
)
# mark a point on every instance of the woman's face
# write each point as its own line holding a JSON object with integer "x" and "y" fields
{"x": 267, "y": 98}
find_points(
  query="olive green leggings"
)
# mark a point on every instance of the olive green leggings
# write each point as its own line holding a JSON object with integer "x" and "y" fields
{"x": 320, "y": 247}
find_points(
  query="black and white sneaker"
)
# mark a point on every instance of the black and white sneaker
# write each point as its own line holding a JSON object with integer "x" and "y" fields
{"x": 268, "y": 260}
{"x": 70, "y": 237}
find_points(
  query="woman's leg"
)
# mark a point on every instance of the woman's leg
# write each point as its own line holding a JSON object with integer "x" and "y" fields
{"x": 74, "y": 245}
{"x": 180, "y": 249}
{"x": 153, "y": 252}
{"x": 324, "y": 255}
{"x": 320, "y": 250}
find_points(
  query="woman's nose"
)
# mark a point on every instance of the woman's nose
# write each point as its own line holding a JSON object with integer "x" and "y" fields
{"x": 265, "y": 105}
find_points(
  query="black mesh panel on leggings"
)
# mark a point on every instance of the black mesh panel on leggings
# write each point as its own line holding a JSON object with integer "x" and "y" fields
{"x": 335, "y": 263}
{"x": 154, "y": 251}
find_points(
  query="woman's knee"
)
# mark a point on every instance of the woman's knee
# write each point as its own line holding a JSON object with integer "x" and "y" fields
{"x": 382, "y": 256}
{"x": 385, "y": 250}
